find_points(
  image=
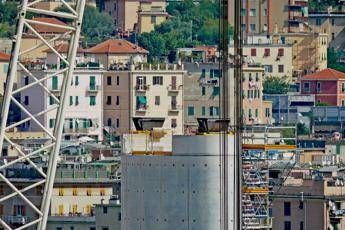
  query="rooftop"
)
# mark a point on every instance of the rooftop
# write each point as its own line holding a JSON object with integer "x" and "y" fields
{"x": 116, "y": 46}
{"x": 63, "y": 48}
{"x": 325, "y": 75}
{"x": 4, "y": 57}
{"x": 49, "y": 29}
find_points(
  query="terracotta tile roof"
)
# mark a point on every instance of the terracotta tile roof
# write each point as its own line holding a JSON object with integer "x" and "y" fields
{"x": 325, "y": 75}
{"x": 115, "y": 46}
{"x": 63, "y": 48}
{"x": 4, "y": 57}
{"x": 49, "y": 29}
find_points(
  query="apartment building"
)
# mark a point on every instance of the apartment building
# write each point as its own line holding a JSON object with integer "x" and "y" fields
{"x": 202, "y": 90}
{"x": 330, "y": 23}
{"x": 117, "y": 54}
{"x": 108, "y": 216}
{"x": 150, "y": 14}
{"x": 309, "y": 51}
{"x": 53, "y": 4}
{"x": 327, "y": 85}
{"x": 275, "y": 58}
{"x": 145, "y": 91}
{"x": 29, "y": 39}
{"x": 128, "y": 14}
{"x": 4, "y": 62}
{"x": 76, "y": 191}
{"x": 272, "y": 16}
{"x": 84, "y": 107}
{"x": 309, "y": 204}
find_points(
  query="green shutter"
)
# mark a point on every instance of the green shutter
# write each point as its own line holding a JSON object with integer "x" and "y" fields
{"x": 76, "y": 80}
{"x": 92, "y": 82}
{"x": 51, "y": 123}
{"x": 203, "y": 111}
{"x": 256, "y": 113}
{"x": 51, "y": 100}
{"x": 71, "y": 123}
{"x": 203, "y": 91}
{"x": 92, "y": 100}
{"x": 55, "y": 82}
{"x": 76, "y": 100}
{"x": 70, "y": 100}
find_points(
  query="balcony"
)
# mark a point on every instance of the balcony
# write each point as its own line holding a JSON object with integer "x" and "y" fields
{"x": 141, "y": 88}
{"x": 16, "y": 219}
{"x": 174, "y": 107}
{"x": 93, "y": 88}
{"x": 141, "y": 108}
{"x": 173, "y": 88}
{"x": 55, "y": 90}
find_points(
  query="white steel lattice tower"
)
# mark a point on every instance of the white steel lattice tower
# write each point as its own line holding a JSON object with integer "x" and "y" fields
{"x": 73, "y": 16}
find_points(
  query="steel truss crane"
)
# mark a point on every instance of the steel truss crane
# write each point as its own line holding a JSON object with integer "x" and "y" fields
{"x": 74, "y": 17}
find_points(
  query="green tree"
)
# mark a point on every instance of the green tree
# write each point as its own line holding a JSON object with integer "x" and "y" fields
{"x": 96, "y": 27}
{"x": 321, "y": 5}
{"x": 333, "y": 60}
{"x": 322, "y": 104}
{"x": 275, "y": 85}
{"x": 302, "y": 129}
{"x": 8, "y": 17}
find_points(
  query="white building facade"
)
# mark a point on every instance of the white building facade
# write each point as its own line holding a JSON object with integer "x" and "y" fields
{"x": 84, "y": 103}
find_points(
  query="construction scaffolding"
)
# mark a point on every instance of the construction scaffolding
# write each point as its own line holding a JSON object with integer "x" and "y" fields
{"x": 26, "y": 25}
{"x": 259, "y": 144}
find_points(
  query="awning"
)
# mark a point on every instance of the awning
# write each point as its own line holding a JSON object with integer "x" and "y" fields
{"x": 142, "y": 100}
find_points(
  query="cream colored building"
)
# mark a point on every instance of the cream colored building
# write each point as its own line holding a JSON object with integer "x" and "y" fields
{"x": 4, "y": 62}
{"x": 309, "y": 51}
{"x": 144, "y": 91}
{"x": 53, "y": 4}
{"x": 275, "y": 58}
{"x": 151, "y": 14}
{"x": 127, "y": 13}
{"x": 117, "y": 54}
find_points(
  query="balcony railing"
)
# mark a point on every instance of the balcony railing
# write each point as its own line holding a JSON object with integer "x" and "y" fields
{"x": 141, "y": 88}
{"x": 173, "y": 88}
{"x": 174, "y": 107}
{"x": 16, "y": 219}
{"x": 93, "y": 89}
{"x": 141, "y": 108}
{"x": 55, "y": 89}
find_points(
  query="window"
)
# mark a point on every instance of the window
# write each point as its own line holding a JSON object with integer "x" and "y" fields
{"x": 117, "y": 80}
{"x": 333, "y": 21}
{"x": 117, "y": 100}
{"x": 190, "y": 110}
{"x": 343, "y": 87}
{"x": 252, "y": 27}
{"x": 287, "y": 209}
{"x": 102, "y": 192}
{"x": 281, "y": 52}
{"x": 92, "y": 100}
{"x": 109, "y": 80}
{"x": 333, "y": 36}
{"x": 342, "y": 103}
{"x": 157, "y": 100}
{"x": 70, "y": 100}
{"x": 267, "y": 52}
{"x": 203, "y": 73}
{"x": 92, "y": 83}
{"x": 267, "y": 112}
{"x": 26, "y": 80}
{"x": 76, "y": 80}
{"x": 108, "y": 100}
{"x": 88, "y": 209}
{"x": 243, "y": 12}
{"x": 51, "y": 100}
{"x": 287, "y": 225}
{"x": 105, "y": 228}
{"x": 256, "y": 113}
{"x": 318, "y": 21}
{"x": 252, "y": 12}
{"x": 265, "y": 12}
{"x": 281, "y": 68}
{"x": 250, "y": 113}
{"x": 117, "y": 122}
{"x": 61, "y": 191}
{"x": 105, "y": 209}
{"x": 88, "y": 192}
{"x": 51, "y": 123}
{"x": 173, "y": 123}
{"x": 306, "y": 87}
{"x": 265, "y": 28}
{"x": 74, "y": 209}
{"x": 211, "y": 73}
{"x": 268, "y": 68}
{"x": 26, "y": 100}
{"x": 75, "y": 192}
{"x": 301, "y": 204}
{"x": 55, "y": 83}
{"x": 76, "y": 100}
{"x": 61, "y": 210}
{"x": 301, "y": 225}
{"x": 58, "y": 228}
{"x": 119, "y": 216}
{"x": 71, "y": 123}
{"x": 153, "y": 19}
{"x": 253, "y": 52}
{"x": 157, "y": 80}
{"x": 109, "y": 122}
{"x": 214, "y": 111}
{"x": 203, "y": 111}
{"x": 318, "y": 87}
{"x": 203, "y": 91}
